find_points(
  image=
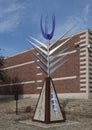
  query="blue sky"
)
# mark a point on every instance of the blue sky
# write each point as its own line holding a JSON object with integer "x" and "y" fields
{"x": 20, "y": 19}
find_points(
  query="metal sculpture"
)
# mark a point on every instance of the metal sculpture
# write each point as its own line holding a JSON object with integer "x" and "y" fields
{"x": 48, "y": 108}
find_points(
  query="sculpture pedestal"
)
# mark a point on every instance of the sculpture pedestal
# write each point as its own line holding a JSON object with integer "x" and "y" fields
{"x": 48, "y": 109}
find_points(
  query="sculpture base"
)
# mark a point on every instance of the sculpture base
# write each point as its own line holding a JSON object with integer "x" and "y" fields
{"x": 48, "y": 109}
{"x": 37, "y": 125}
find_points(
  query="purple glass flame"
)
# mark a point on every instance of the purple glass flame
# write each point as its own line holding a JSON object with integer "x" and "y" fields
{"x": 45, "y": 34}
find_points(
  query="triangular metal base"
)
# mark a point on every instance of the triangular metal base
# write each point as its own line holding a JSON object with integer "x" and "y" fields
{"x": 48, "y": 109}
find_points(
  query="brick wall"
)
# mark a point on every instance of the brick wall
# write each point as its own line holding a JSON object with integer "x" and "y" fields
{"x": 67, "y": 78}
{"x": 90, "y": 62}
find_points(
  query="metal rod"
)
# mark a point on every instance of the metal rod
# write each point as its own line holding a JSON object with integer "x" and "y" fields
{"x": 48, "y": 64}
{"x": 16, "y": 107}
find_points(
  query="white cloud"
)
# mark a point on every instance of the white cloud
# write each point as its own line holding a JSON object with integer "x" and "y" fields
{"x": 10, "y": 15}
{"x": 9, "y": 24}
{"x": 86, "y": 11}
{"x": 78, "y": 22}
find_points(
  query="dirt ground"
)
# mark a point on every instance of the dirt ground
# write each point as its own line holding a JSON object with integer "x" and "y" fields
{"x": 10, "y": 121}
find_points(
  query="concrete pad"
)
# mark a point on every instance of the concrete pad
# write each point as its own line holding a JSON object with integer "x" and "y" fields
{"x": 43, "y": 125}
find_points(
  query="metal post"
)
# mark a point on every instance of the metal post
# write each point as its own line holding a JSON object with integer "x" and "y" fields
{"x": 16, "y": 107}
{"x": 48, "y": 59}
{"x": 47, "y": 100}
{"x": 16, "y": 99}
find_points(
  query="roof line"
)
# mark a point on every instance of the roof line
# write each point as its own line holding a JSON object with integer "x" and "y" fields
{"x": 60, "y": 39}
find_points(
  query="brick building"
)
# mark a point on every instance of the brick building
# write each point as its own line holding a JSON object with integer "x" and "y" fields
{"x": 72, "y": 80}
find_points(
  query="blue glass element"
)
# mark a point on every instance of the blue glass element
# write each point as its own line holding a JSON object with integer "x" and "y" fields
{"x": 45, "y": 33}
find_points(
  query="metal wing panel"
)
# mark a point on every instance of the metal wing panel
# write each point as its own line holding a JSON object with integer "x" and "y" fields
{"x": 43, "y": 69}
{"x": 53, "y": 50}
{"x": 45, "y": 52}
{"x": 40, "y": 59}
{"x": 56, "y": 61}
{"x": 54, "y": 69}
{"x": 39, "y": 42}
{"x": 43, "y": 55}
{"x": 60, "y": 37}
{"x": 57, "y": 55}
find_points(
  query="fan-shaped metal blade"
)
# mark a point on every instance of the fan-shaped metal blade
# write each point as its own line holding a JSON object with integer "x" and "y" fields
{"x": 53, "y": 50}
{"x": 43, "y": 55}
{"x": 54, "y": 69}
{"x": 35, "y": 46}
{"x": 60, "y": 37}
{"x": 57, "y": 55}
{"x": 56, "y": 61}
{"x": 43, "y": 68}
{"x": 40, "y": 59}
{"x": 42, "y": 44}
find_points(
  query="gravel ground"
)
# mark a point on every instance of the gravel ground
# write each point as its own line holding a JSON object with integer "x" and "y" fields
{"x": 10, "y": 121}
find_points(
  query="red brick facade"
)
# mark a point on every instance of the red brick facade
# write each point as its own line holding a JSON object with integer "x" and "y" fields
{"x": 69, "y": 78}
